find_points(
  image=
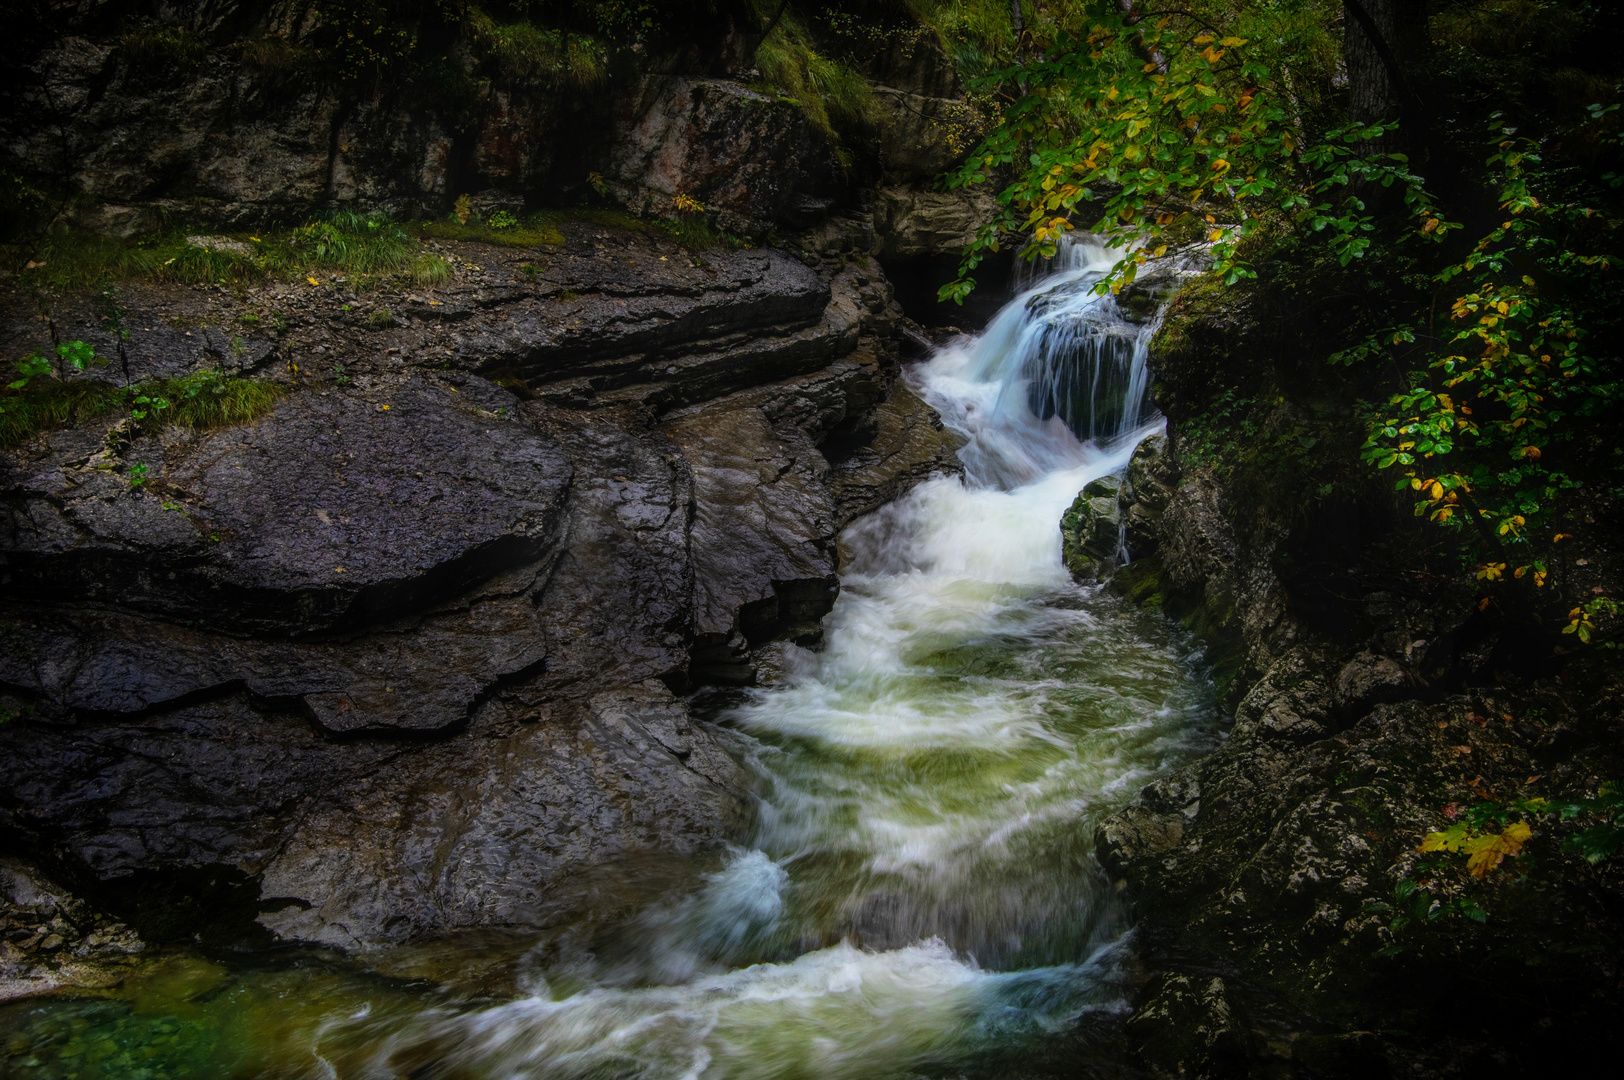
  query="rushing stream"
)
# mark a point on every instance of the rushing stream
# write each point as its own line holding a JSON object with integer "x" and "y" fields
{"x": 919, "y": 894}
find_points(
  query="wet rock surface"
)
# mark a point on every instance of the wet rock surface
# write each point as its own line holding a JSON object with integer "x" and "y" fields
{"x": 405, "y": 653}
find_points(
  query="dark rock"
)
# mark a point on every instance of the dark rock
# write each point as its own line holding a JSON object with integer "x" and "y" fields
{"x": 746, "y": 156}
{"x": 330, "y": 513}
{"x": 1152, "y": 475}
{"x": 477, "y": 834}
{"x": 479, "y": 706}
{"x": 1369, "y": 680}
{"x": 1192, "y": 1027}
{"x": 1291, "y": 703}
{"x": 913, "y": 224}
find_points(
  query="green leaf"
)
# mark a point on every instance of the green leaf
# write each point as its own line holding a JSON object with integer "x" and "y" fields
{"x": 1597, "y": 842}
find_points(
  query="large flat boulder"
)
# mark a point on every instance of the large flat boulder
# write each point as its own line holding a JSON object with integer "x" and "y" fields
{"x": 334, "y": 511}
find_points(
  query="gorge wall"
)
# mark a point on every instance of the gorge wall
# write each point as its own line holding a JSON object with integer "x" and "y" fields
{"x": 1289, "y": 922}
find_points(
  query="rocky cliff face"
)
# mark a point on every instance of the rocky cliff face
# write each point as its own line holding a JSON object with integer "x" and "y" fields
{"x": 402, "y": 654}
{"x": 127, "y": 116}
{"x": 1290, "y": 925}
{"x": 405, "y": 654}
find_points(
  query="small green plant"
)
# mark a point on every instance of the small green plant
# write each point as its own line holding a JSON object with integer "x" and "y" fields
{"x": 148, "y": 406}
{"x": 138, "y": 474}
{"x": 28, "y": 367}
{"x": 1605, "y": 838}
{"x": 1414, "y": 904}
{"x": 1582, "y": 619}
{"x": 430, "y": 269}
{"x": 73, "y": 354}
{"x": 381, "y": 319}
{"x": 502, "y": 220}
{"x": 206, "y": 399}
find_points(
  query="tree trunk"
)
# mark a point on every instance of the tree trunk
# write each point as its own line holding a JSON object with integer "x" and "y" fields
{"x": 1382, "y": 40}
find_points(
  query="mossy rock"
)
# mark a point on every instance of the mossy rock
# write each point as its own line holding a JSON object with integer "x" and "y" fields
{"x": 1090, "y": 531}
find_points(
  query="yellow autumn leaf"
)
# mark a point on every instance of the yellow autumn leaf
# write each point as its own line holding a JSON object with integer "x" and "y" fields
{"x": 1231, "y": 42}
{"x": 1487, "y": 851}
{"x": 1437, "y": 491}
{"x": 312, "y": 281}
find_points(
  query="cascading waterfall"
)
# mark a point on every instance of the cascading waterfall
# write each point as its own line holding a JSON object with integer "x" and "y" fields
{"x": 920, "y": 889}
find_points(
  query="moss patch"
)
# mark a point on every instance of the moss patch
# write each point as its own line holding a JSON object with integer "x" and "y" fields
{"x": 537, "y": 230}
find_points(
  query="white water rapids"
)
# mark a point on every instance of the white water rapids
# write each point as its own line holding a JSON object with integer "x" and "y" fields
{"x": 920, "y": 887}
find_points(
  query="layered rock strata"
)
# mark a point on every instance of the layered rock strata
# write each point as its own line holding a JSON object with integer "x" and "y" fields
{"x": 406, "y": 652}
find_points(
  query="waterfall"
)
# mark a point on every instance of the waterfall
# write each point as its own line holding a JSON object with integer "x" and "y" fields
{"x": 919, "y": 890}
{"x": 1056, "y": 383}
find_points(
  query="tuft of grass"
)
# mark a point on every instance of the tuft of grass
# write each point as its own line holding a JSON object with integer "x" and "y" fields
{"x": 157, "y": 48}
{"x": 430, "y": 269}
{"x": 368, "y": 244}
{"x": 525, "y": 54}
{"x": 27, "y": 412}
{"x": 381, "y": 319}
{"x": 345, "y": 242}
{"x": 831, "y": 94}
{"x": 275, "y": 53}
{"x": 210, "y": 399}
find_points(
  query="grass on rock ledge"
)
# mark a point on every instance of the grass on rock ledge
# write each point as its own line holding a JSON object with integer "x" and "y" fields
{"x": 373, "y": 250}
{"x": 206, "y": 399}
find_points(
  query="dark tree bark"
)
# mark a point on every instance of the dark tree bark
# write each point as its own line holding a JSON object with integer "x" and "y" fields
{"x": 1382, "y": 42}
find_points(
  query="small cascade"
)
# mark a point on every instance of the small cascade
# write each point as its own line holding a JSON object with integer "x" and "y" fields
{"x": 1058, "y": 359}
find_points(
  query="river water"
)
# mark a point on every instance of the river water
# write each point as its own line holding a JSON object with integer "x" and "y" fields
{"x": 919, "y": 895}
